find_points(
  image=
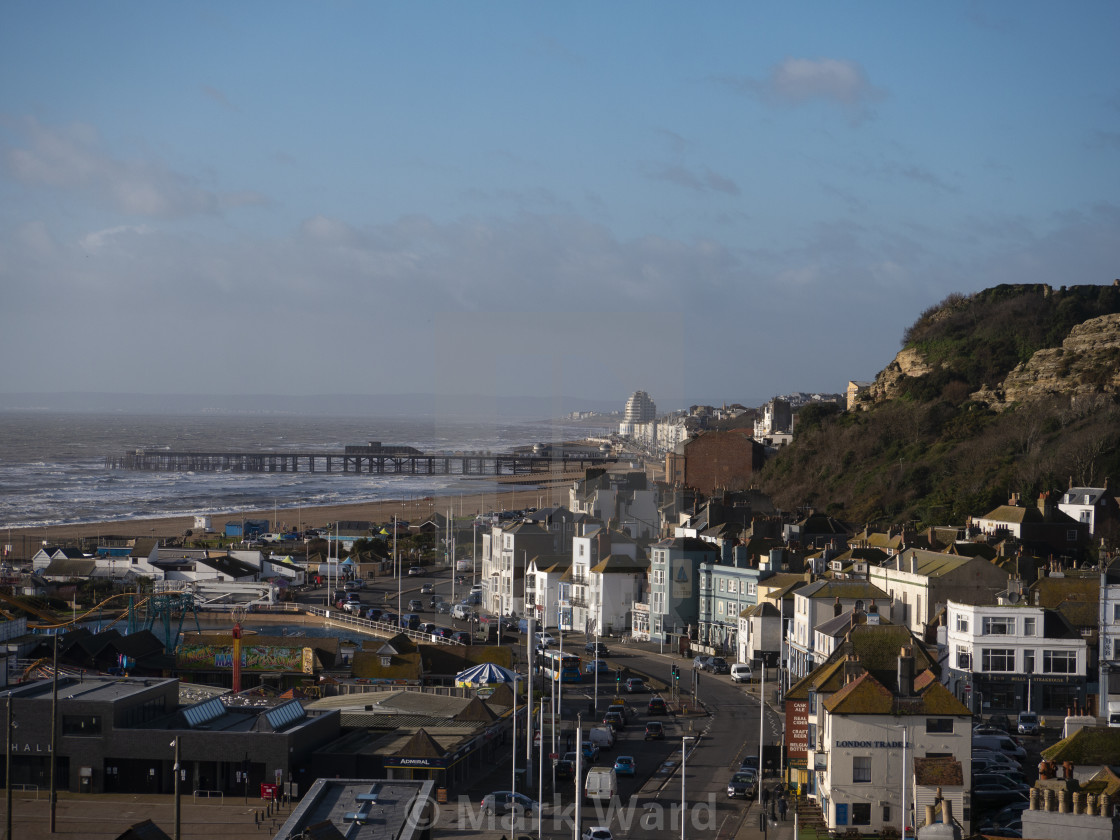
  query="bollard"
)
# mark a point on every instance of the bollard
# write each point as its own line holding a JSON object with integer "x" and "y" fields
{"x": 1079, "y": 803}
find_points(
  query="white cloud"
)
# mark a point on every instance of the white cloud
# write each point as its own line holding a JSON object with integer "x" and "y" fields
{"x": 71, "y": 158}
{"x": 798, "y": 81}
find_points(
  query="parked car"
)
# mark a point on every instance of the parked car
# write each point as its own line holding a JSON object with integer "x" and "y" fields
{"x": 597, "y": 832}
{"x": 506, "y": 801}
{"x": 1028, "y": 723}
{"x": 741, "y": 672}
{"x": 625, "y": 765}
{"x": 635, "y": 685}
{"x": 462, "y": 636}
{"x": 657, "y": 706}
{"x": 353, "y": 607}
{"x": 741, "y": 784}
{"x": 443, "y": 632}
{"x": 597, "y": 648}
{"x": 749, "y": 763}
{"x": 545, "y": 640}
{"x": 718, "y": 665}
{"x": 352, "y": 585}
{"x": 428, "y": 627}
{"x": 416, "y": 571}
{"x": 1000, "y": 780}
{"x": 655, "y": 731}
{"x": 441, "y": 606}
{"x": 373, "y": 614}
{"x": 700, "y": 663}
{"x": 388, "y": 618}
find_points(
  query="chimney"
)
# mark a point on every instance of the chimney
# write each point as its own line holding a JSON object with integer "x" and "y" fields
{"x": 852, "y": 668}
{"x": 906, "y": 672}
{"x": 836, "y": 607}
{"x": 1045, "y": 504}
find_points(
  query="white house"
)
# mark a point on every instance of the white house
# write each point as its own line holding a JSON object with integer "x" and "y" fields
{"x": 1090, "y": 505}
{"x": 1012, "y": 656}
{"x": 607, "y": 577}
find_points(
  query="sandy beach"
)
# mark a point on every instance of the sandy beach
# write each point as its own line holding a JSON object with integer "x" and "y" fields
{"x": 548, "y": 491}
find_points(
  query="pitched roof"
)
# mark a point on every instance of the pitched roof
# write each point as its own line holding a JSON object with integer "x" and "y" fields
{"x": 69, "y": 568}
{"x": 826, "y": 588}
{"x": 421, "y": 745}
{"x": 477, "y": 710}
{"x": 1088, "y": 745}
{"x": 943, "y": 771}
{"x": 620, "y": 564}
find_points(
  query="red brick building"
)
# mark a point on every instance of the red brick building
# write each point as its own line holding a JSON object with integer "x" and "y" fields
{"x": 715, "y": 462}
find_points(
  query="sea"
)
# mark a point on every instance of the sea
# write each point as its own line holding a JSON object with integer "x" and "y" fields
{"x": 53, "y": 471}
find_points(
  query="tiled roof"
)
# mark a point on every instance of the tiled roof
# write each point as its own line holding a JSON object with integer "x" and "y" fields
{"x": 620, "y": 564}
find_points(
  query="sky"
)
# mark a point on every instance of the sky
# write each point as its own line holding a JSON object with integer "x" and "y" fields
{"x": 716, "y": 202}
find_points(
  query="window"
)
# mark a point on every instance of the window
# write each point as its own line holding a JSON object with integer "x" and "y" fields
{"x": 581, "y": 548}
{"x": 719, "y": 607}
{"x": 861, "y": 768}
{"x": 1116, "y": 613}
{"x": 964, "y": 658}
{"x": 1071, "y": 536}
{"x": 1028, "y": 662}
{"x": 753, "y": 588}
{"x": 997, "y": 659}
{"x": 998, "y": 625}
{"x": 887, "y": 814}
{"x": 1029, "y": 625}
{"x": 962, "y": 622}
{"x": 79, "y": 725}
{"x": 861, "y": 813}
{"x": 722, "y": 585}
{"x": 939, "y": 725}
{"x": 1059, "y": 661}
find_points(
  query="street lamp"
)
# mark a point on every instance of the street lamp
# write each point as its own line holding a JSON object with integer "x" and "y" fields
{"x": 684, "y": 760}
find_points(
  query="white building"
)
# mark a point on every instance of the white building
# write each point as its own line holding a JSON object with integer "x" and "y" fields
{"x": 817, "y": 602}
{"x": 542, "y": 587}
{"x": 1011, "y": 656}
{"x": 1090, "y": 505}
{"x": 607, "y": 577}
{"x": 624, "y": 500}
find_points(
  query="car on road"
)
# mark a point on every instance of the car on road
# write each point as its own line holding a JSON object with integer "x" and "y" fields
{"x": 441, "y": 607}
{"x": 545, "y": 640}
{"x": 428, "y": 627}
{"x": 565, "y": 768}
{"x": 352, "y": 585}
{"x": 657, "y": 706}
{"x": 625, "y": 765}
{"x": 590, "y": 751}
{"x": 634, "y": 685}
{"x": 416, "y": 571}
{"x": 718, "y": 665}
{"x": 599, "y": 665}
{"x": 415, "y": 605}
{"x": 597, "y": 648}
{"x": 597, "y": 832}
{"x": 354, "y": 607}
{"x": 388, "y": 618}
{"x": 506, "y": 801}
{"x": 443, "y": 632}
{"x": 462, "y": 636}
{"x": 427, "y": 589}
{"x": 741, "y": 784}
{"x": 373, "y": 614}
{"x": 655, "y": 731}
{"x": 700, "y": 663}
{"x": 615, "y": 721}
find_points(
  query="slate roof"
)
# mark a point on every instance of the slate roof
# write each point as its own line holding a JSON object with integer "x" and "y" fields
{"x": 69, "y": 568}
{"x": 826, "y": 588}
{"x": 620, "y": 564}
{"x": 865, "y": 695}
{"x": 877, "y": 648}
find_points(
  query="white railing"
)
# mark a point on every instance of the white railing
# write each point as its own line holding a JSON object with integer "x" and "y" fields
{"x": 377, "y": 627}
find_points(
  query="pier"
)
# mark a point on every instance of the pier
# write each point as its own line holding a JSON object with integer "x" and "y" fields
{"x": 352, "y": 463}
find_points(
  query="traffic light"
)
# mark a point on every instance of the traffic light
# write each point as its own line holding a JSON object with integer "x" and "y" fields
{"x": 618, "y": 676}
{"x": 676, "y": 672}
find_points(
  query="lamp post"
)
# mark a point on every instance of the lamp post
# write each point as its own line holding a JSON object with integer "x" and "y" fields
{"x": 684, "y": 762}
{"x": 178, "y": 801}
{"x": 8, "y": 769}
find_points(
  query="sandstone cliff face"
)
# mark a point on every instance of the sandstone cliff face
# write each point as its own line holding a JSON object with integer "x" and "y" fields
{"x": 1087, "y": 363}
{"x": 908, "y": 363}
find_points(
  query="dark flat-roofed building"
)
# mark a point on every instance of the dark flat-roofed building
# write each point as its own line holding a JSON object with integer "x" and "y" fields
{"x": 363, "y": 809}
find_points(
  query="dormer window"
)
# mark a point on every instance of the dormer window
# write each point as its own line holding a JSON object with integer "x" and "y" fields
{"x": 386, "y": 661}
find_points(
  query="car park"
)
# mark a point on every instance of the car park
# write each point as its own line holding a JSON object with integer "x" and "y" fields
{"x": 506, "y": 801}
{"x": 635, "y": 685}
{"x": 655, "y": 731}
{"x": 657, "y": 706}
{"x": 740, "y": 784}
{"x": 625, "y": 765}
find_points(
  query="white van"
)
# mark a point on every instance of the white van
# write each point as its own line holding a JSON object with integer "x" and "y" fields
{"x": 601, "y": 783}
{"x": 741, "y": 673}
{"x": 602, "y": 737}
{"x": 999, "y": 743}
{"x": 461, "y": 612}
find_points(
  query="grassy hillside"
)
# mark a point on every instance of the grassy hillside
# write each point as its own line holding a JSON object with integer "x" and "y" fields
{"x": 931, "y": 455}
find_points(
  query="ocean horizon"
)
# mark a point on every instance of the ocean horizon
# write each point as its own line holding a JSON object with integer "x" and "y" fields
{"x": 52, "y": 463}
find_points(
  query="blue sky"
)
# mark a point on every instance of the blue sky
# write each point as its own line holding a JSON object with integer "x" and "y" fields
{"x": 713, "y": 202}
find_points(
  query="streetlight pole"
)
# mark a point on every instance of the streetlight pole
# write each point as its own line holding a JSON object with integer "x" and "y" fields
{"x": 684, "y": 763}
{"x": 178, "y": 801}
{"x": 8, "y": 769}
